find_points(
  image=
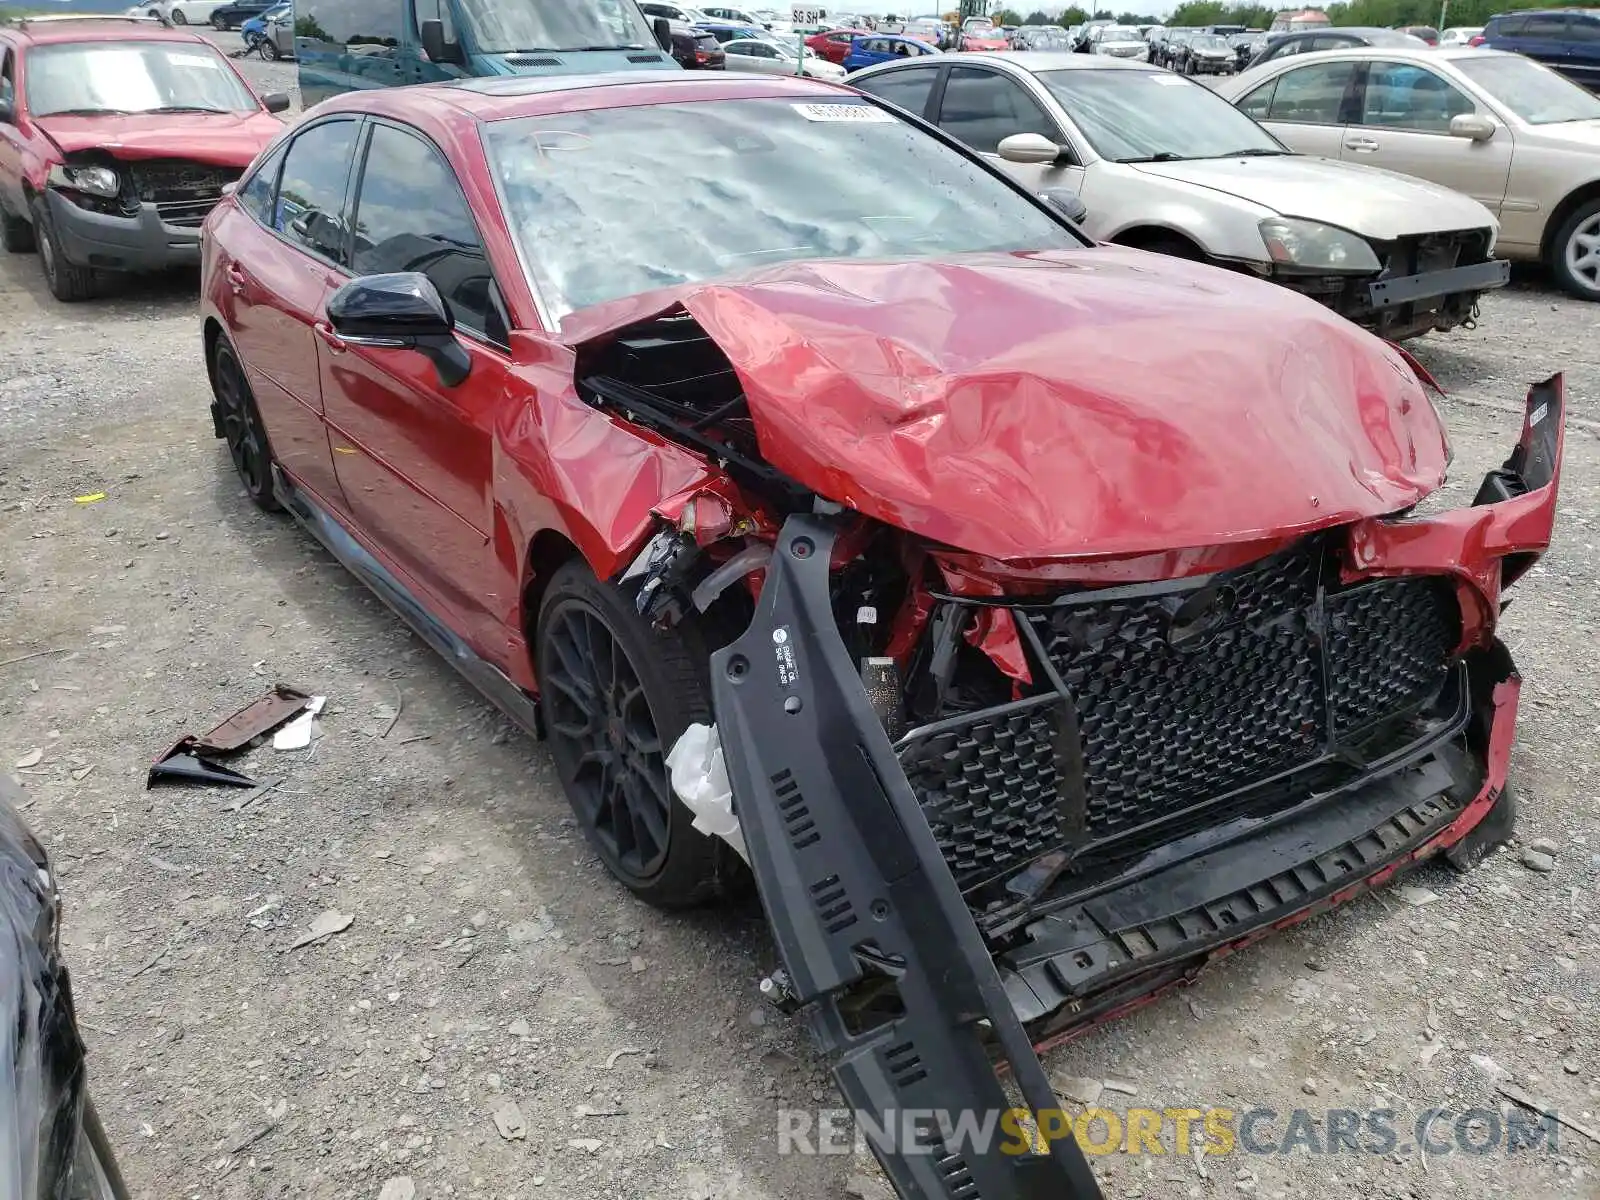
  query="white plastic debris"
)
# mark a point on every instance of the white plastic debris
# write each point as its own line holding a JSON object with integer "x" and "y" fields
{"x": 297, "y": 734}
{"x": 700, "y": 779}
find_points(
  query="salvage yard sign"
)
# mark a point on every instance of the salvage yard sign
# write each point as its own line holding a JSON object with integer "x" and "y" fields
{"x": 804, "y": 19}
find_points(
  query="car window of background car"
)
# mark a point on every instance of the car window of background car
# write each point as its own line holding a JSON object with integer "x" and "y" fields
{"x": 908, "y": 89}
{"x": 311, "y": 195}
{"x": 1545, "y": 25}
{"x": 1132, "y": 115}
{"x": 1311, "y": 95}
{"x": 258, "y": 196}
{"x": 411, "y": 216}
{"x": 8, "y": 84}
{"x": 1533, "y": 92}
{"x": 502, "y": 26}
{"x": 1404, "y": 96}
{"x": 132, "y": 77}
{"x": 1508, "y": 25}
{"x": 982, "y": 107}
{"x": 614, "y": 202}
{"x": 1582, "y": 28}
{"x": 351, "y": 22}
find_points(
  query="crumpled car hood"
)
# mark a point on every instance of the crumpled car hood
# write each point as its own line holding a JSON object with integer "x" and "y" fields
{"x": 1095, "y": 402}
{"x": 222, "y": 139}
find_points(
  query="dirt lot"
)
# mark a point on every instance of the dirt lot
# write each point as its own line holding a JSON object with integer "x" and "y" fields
{"x": 490, "y": 961}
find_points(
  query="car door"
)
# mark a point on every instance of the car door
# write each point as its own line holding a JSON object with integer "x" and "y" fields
{"x": 1405, "y": 114}
{"x": 1583, "y": 47}
{"x": 981, "y": 106}
{"x": 11, "y": 197}
{"x": 1307, "y": 107}
{"x": 283, "y": 252}
{"x": 414, "y": 457}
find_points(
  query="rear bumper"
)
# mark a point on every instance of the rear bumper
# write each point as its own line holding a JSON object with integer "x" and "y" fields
{"x": 143, "y": 242}
{"x": 917, "y": 1002}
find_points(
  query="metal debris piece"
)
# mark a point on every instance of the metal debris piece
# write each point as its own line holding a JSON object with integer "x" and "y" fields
{"x": 324, "y": 927}
{"x": 255, "y": 719}
{"x": 239, "y": 804}
{"x": 181, "y": 765}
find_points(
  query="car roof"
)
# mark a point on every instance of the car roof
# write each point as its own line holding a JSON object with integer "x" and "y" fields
{"x": 98, "y": 29}
{"x": 1545, "y": 12}
{"x": 1033, "y": 61}
{"x": 505, "y": 97}
{"x": 1421, "y": 55}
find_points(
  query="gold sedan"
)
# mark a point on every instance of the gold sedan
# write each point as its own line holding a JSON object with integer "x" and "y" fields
{"x": 1498, "y": 127}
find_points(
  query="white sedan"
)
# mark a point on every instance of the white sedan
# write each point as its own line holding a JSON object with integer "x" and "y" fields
{"x": 774, "y": 58}
{"x": 183, "y": 12}
{"x": 1162, "y": 163}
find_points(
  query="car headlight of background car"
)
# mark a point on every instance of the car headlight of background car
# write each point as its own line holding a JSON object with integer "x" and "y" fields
{"x": 96, "y": 181}
{"x": 1313, "y": 246}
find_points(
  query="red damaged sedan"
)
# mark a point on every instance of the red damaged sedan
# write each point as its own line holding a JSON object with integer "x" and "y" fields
{"x": 1060, "y": 610}
{"x": 117, "y": 137}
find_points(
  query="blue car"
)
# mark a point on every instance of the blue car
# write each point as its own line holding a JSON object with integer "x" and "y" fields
{"x": 256, "y": 27}
{"x": 1566, "y": 39}
{"x": 869, "y": 50}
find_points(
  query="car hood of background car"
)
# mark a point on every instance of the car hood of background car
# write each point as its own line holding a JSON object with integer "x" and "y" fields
{"x": 223, "y": 139}
{"x": 1094, "y": 402}
{"x": 1580, "y": 136}
{"x": 1374, "y": 203}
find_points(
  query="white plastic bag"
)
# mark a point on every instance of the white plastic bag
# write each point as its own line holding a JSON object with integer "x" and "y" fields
{"x": 700, "y": 779}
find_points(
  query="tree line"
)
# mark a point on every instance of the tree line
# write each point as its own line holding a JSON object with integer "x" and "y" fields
{"x": 1382, "y": 13}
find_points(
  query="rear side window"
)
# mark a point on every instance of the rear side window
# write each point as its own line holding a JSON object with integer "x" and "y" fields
{"x": 258, "y": 196}
{"x": 908, "y": 89}
{"x": 311, "y": 195}
{"x": 1545, "y": 25}
{"x": 411, "y": 216}
{"x": 1313, "y": 95}
{"x": 1583, "y": 28}
{"x": 1506, "y": 26}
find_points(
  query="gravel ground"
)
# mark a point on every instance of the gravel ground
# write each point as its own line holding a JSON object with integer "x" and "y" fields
{"x": 489, "y": 962}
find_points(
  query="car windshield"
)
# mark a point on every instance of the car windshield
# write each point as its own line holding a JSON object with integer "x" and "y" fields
{"x": 1208, "y": 41}
{"x": 508, "y": 26}
{"x": 1535, "y": 93}
{"x": 1155, "y": 116}
{"x": 1115, "y": 33}
{"x": 613, "y": 202}
{"x": 91, "y": 78}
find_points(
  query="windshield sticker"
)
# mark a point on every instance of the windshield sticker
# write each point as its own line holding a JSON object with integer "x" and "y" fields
{"x": 194, "y": 60}
{"x": 1168, "y": 79}
{"x": 844, "y": 113}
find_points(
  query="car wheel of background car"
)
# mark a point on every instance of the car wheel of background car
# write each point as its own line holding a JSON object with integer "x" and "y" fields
{"x": 178, "y": 18}
{"x": 269, "y": 50}
{"x": 242, "y": 428}
{"x": 219, "y": 22}
{"x": 1575, "y": 253}
{"x": 68, "y": 282}
{"x": 16, "y": 235}
{"x": 616, "y": 694}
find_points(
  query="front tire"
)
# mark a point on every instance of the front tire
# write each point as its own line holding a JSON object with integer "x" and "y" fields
{"x": 242, "y": 427}
{"x": 617, "y": 693}
{"x": 178, "y": 18}
{"x": 1575, "y": 253}
{"x": 269, "y": 50}
{"x": 219, "y": 23}
{"x": 16, "y": 235}
{"x": 68, "y": 282}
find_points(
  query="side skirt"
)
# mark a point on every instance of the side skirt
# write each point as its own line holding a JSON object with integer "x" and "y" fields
{"x": 485, "y": 676}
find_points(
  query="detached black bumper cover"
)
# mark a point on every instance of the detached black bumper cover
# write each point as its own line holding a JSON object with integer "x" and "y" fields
{"x": 855, "y": 886}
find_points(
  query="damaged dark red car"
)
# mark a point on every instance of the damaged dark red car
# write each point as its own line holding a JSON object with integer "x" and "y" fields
{"x": 1061, "y": 610}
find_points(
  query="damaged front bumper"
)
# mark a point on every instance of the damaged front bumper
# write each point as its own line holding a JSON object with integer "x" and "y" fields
{"x": 923, "y": 990}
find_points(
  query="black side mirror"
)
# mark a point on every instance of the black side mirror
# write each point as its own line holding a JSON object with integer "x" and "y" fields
{"x": 402, "y": 311}
{"x": 438, "y": 50}
{"x": 1066, "y": 202}
{"x": 275, "y": 102}
{"x": 663, "y": 28}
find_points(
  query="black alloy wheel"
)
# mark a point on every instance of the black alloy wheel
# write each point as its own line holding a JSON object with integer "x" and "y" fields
{"x": 242, "y": 428}
{"x": 605, "y": 739}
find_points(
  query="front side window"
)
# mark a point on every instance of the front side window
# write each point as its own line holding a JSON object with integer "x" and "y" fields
{"x": 8, "y": 86}
{"x": 311, "y": 194}
{"x": 258, "y": 196}
{"x": 1313, "y": 95}
{"x": 1545, "y": 25}
{"x": 982, "y": 107}
{"x": 1403, "y": 96}
{"x": 1535, "y": 93}
{"x": 1582, "y": 28}
{"x": 1511, "y": 26}
{"x": 372, "y": 25}
{"x": 412, "y": 216}
{"x": 1154, "y": 116}
{"x": 94, "y": 78}
{"x": 507, "y": 26}
{"x": 613, "y": 202}
{"x": 908, "y": 89}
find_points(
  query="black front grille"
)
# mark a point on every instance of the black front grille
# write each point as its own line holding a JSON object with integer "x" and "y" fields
{"x": 187, "y": 214}
{"x": 1183, "y": 697}
{"x": 991, "y": 785}
{"x": 177, "y": 181}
